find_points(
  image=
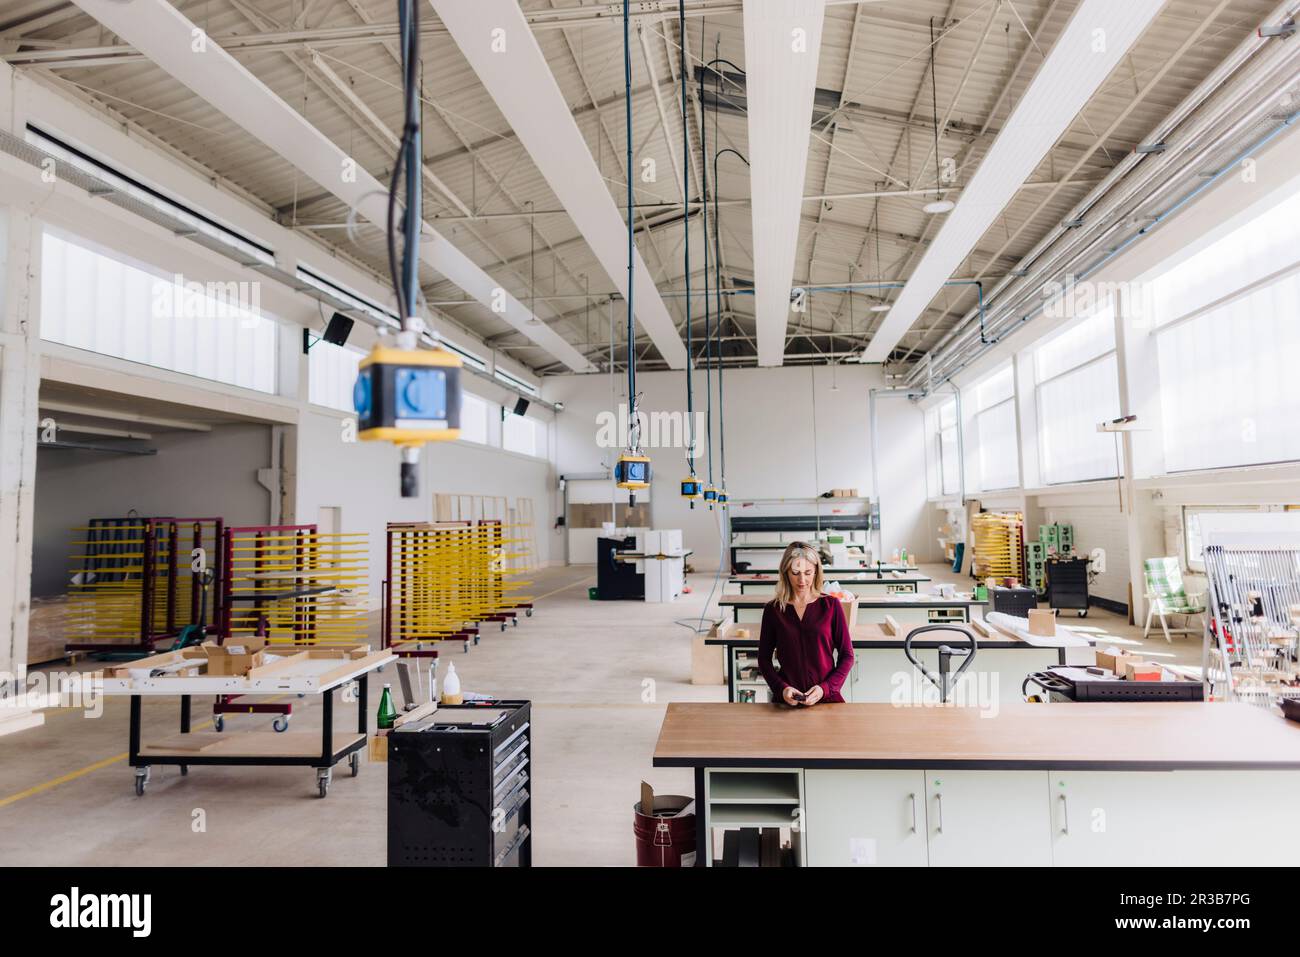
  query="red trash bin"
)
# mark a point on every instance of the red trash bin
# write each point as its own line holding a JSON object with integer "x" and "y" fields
{"x": 666, "y": 835}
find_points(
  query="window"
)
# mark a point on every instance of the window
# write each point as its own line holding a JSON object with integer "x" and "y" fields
{"x": 473, "y": 419}
{"x": 331, "y": 374}
{"x": 997, "y": 456}
{"x": 1077, "y": 388}
{"x": 213, "y": 330}
{"x": 521, "y": 434}
{"x": 1227, "y": 335}
{"x": 941, "y": 450}
{"x": 1193, "y": 539}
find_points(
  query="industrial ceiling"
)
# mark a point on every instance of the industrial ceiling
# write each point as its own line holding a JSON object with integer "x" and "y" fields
{"x": 903, "y": 104}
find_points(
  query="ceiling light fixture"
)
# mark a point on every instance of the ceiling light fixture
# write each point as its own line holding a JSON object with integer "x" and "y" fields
{"x": 938, "y": 204}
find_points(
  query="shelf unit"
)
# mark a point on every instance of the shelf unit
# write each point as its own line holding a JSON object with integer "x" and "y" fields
{"x": 753, "y": 798}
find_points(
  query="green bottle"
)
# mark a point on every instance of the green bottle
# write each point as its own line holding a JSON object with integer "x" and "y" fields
{"x": 387, "y": 713}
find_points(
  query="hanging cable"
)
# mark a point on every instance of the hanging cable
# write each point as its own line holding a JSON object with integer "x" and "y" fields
{"x": 691, "y": 489}
{"x": 404, "y": 394}
{"x": 710, "y": 491}
{"x": 721, "y": 494}
{"x": 632, "y": 470}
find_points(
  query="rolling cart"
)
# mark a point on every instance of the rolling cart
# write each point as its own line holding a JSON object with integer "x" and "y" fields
{"x": 1067, "y": 584}
{"x": 318, "y": 671}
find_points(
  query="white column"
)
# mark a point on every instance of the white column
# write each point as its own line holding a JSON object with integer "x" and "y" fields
{"x": 19, "y": 382}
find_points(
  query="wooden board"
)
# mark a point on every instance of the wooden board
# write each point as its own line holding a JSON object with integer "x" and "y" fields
{"x": 757, "y": 601}
{"x": 247, "y": 744}
{"x": 1110, "y": 736}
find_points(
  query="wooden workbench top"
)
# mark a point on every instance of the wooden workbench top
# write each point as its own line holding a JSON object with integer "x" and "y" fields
{"x": 1157, "y": 736}
{"x": 898, "y": 600}
{"x": 872, "y": 634}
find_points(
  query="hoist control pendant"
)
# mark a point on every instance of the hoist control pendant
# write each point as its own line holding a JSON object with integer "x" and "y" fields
{"x": 710, "y": 494}
{"x": 408, "y": 396}
{"x": 691, "y": 488}
{"x": 722, "y": 498}
{"x": 632, "y": 471}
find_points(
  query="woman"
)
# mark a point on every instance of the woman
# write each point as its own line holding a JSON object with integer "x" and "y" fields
{"x": 807, "y": 631}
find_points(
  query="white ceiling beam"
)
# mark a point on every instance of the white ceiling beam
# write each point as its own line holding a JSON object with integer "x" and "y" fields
{"x": 178, "y": 47}
{"x": 782, "y": 45}
{"x": 1098, "y": 35}
{"x": 496, "y": 40}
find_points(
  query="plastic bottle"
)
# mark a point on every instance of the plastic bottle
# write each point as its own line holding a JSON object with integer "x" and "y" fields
{"x": 451, "y": 687}
{"x": 387, "y": 713}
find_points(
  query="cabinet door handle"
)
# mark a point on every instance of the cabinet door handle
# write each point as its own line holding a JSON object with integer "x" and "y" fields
{"x": 912, "y": 798}
{"x": 1065, "y": 815}
{"x": 938, "y": 803}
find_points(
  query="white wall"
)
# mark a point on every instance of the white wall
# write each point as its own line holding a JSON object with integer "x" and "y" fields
{"x": 777, "y": 446}
{"x": 361, "y": 479}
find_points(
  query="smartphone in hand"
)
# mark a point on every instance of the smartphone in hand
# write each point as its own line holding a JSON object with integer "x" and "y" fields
{"x": 799, "y": 696}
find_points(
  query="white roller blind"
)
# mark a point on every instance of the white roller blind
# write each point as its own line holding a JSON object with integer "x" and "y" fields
{"x": 994, "y": 431}
{"x": 1078, "y": 387}
{"x": 1228, "y": 344}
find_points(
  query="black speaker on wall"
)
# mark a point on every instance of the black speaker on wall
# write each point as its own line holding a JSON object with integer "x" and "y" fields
{"x": 521, "y": 406}
{"x": 338, "y": 330}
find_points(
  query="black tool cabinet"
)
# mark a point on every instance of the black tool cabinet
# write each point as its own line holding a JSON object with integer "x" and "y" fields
{"x": 459, "y": 787}
{"x": 1067, "y": 584}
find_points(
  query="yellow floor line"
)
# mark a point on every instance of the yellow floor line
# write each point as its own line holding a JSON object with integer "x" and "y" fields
{"x": 70, "y": 776}
{"x": 82, "y": 772}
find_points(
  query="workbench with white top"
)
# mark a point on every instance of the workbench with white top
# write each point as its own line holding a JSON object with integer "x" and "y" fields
{"x": 295, "y": 671}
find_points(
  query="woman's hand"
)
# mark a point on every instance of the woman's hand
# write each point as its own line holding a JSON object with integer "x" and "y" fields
{"x": 812, "y": 696}
{"x": 788, "y": 696}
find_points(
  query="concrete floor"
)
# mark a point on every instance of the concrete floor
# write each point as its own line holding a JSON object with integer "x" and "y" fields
{"x": 599, "y": 675}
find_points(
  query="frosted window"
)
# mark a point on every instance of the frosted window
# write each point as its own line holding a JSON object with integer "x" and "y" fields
{"x": 473, "y": 419}
{"x": 331, "y": 375}
{"x": 1069, "y": 410}
{"x": 1227, "y": 338}
{"x": 211, "y": 330}
{"x": 519, "y": 434}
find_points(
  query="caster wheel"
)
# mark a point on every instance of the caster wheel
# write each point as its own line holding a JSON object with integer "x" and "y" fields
{"x": 381, "y": 667}
{"x": 281, "y": 723}
{"x": 467, "y": 647}
{"x": 323, "y": 777}
{"x": 185, "y": 770}
{"x": 528, "y": 612}
{"x": 141, "y": 781}
{"x": 302, "y": 694}
{"x": 515, "y": 621}
{"x": 354, "y": 762}
{"x": 324, "y": 787}
{"x": 503, "y": 626}
{"x": 1084, "y": 613}
{"x": 219, "y": 723}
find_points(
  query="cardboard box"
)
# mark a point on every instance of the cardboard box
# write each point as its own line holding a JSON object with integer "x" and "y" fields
{"x": 850, "y": 607}
{"x": 1114, "y": 663}
{"x": 1135, "y": 669}
{"x": 1042, "y": 622}
{"x": 235, "y": 658}
{"x": 708, "y": 662}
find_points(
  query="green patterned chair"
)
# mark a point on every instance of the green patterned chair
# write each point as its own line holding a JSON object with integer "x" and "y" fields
{"x": 1166, "y": 595}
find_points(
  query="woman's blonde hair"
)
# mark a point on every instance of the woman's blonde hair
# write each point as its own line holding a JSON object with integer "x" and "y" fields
{"x": 793, "y": 552}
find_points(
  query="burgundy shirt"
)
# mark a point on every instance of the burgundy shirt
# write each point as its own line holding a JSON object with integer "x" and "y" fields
{"x": 806, "y": 649}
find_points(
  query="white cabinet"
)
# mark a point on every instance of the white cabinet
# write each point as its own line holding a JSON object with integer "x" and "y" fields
{"x": 864, "y": 818}
{"x": 983, "y": 818}
{"x": 1174, "y": 818}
